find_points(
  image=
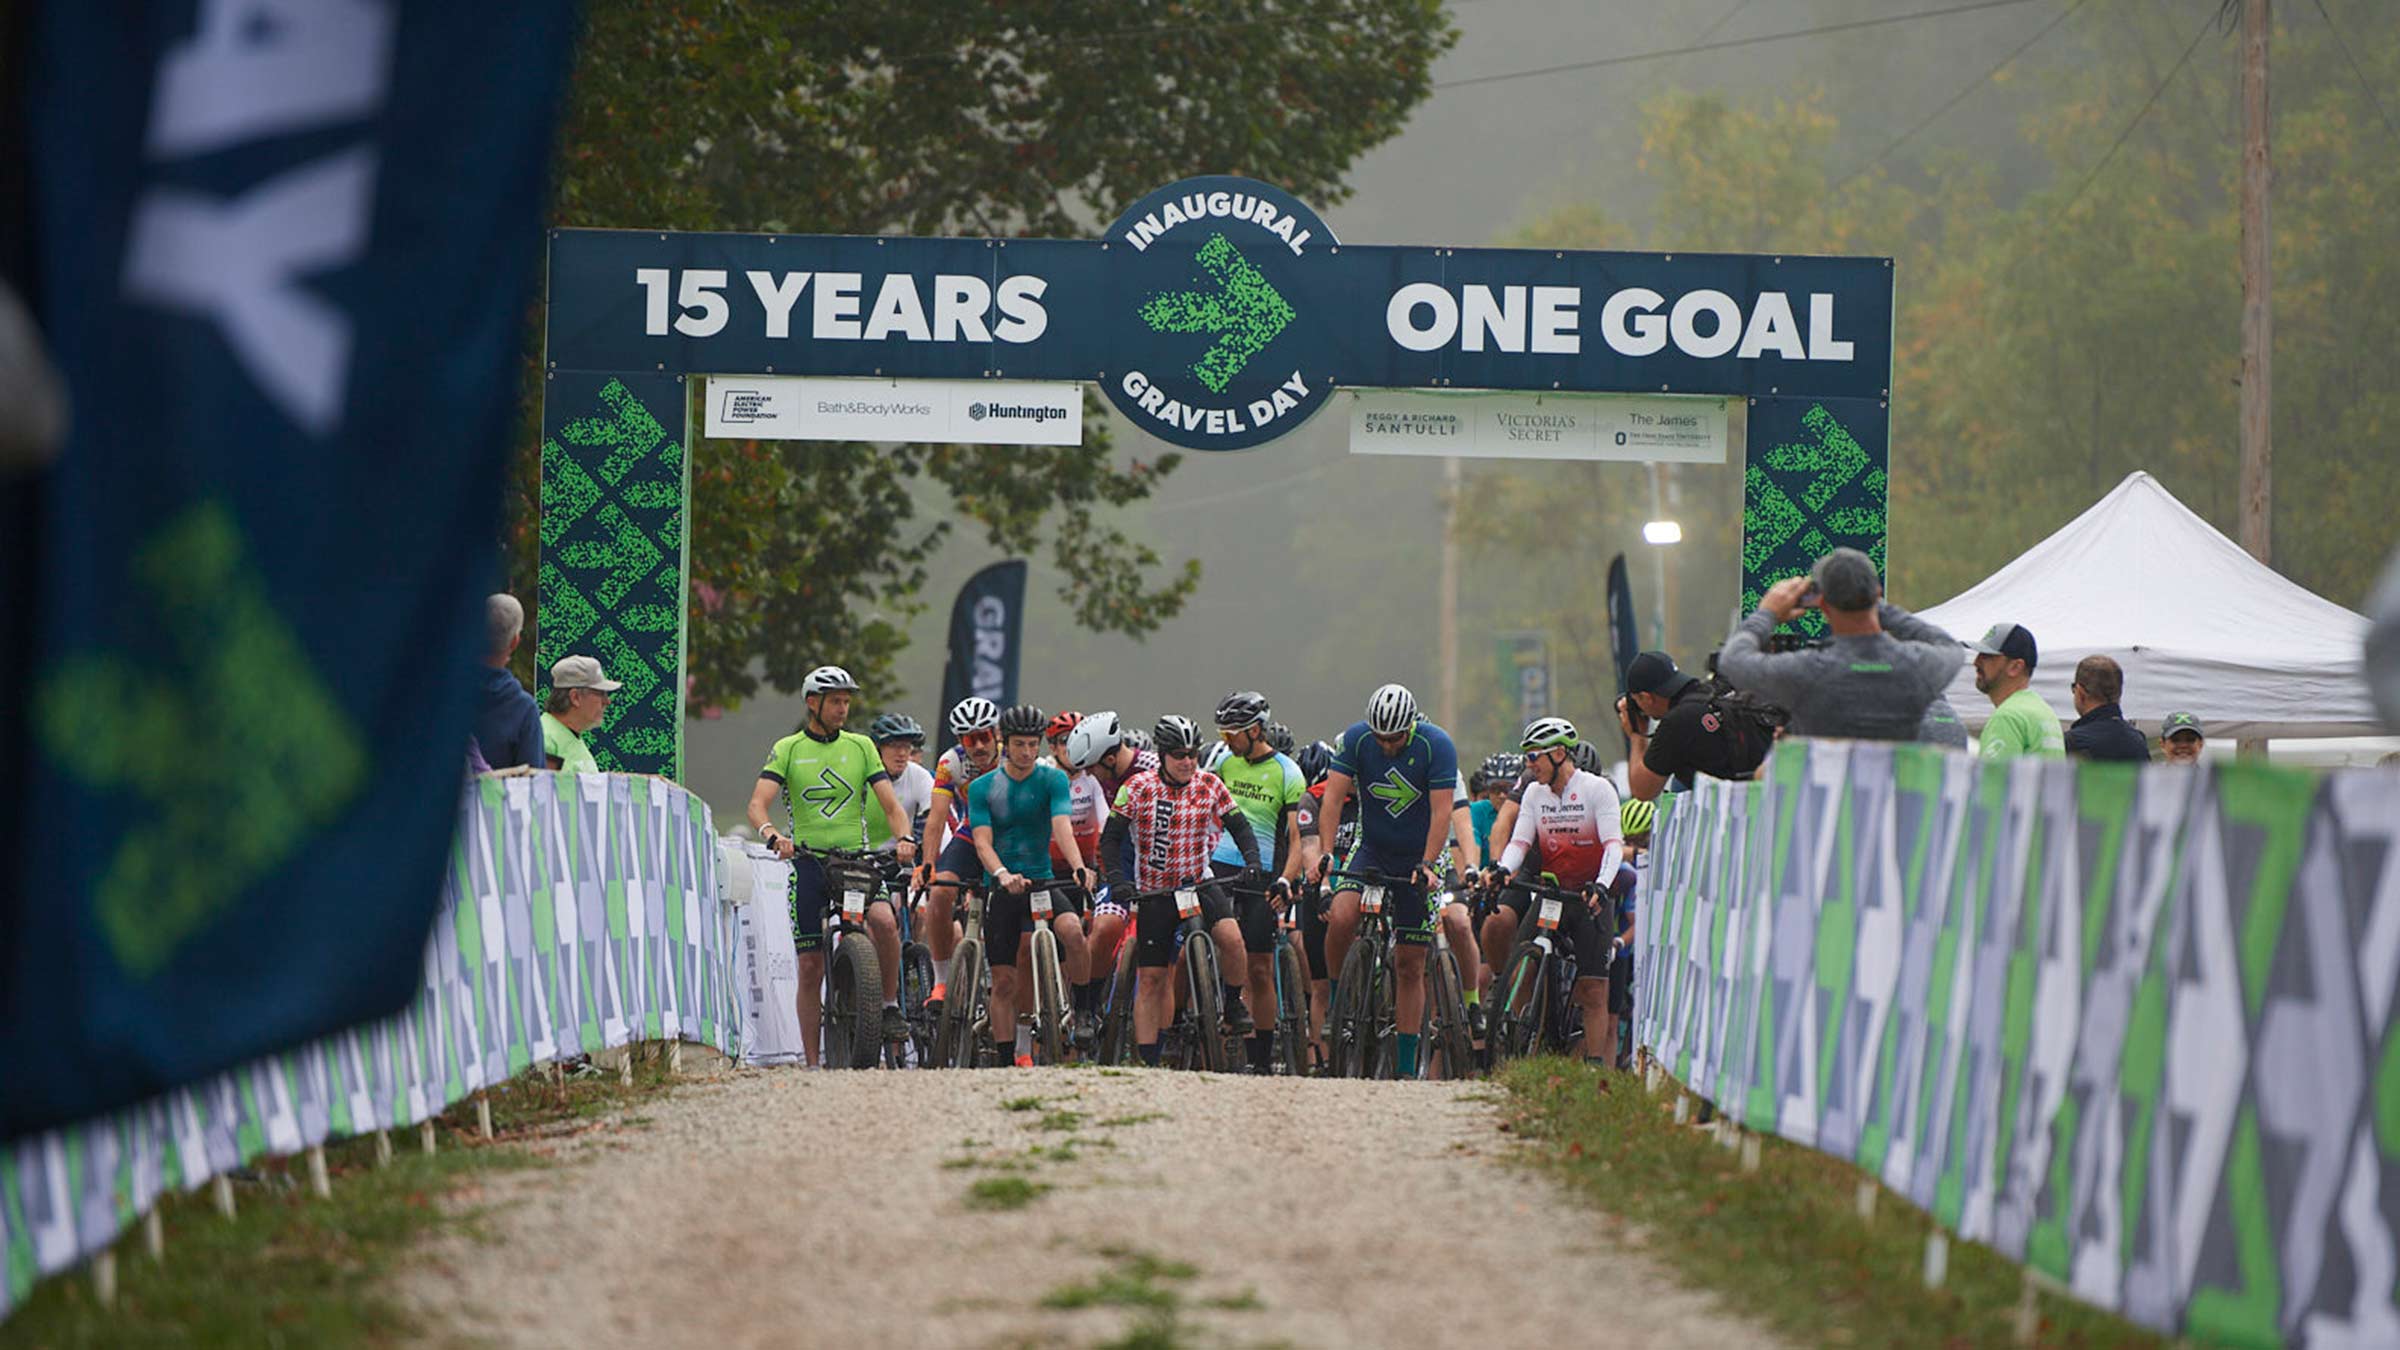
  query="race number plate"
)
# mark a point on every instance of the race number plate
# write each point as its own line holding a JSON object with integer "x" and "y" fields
{"x": 1370, "y": 900}
{"x": 1041, "y": 906}
{"x": 854, "y": 906}
{"x": 1187, "y": 903}
{"x": 1551, "y": 909}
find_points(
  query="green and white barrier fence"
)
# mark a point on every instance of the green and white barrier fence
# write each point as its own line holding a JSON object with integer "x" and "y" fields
{"x": 2132, "y": 1026}
{"x": 580, "y": 913}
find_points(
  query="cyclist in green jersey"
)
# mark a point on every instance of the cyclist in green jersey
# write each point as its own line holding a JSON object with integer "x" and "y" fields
{"x": 826, "y": 776}
{"x": 1267, "y": 785}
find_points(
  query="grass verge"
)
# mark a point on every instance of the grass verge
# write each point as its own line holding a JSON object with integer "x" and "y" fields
{"x": 1784, "y": 1244}
{"x": 289, "y": 1269}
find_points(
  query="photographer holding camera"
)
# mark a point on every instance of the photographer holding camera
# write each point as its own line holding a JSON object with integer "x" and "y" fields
{"x": 1675, "y": 729}
{"x": 1872, "y": 680}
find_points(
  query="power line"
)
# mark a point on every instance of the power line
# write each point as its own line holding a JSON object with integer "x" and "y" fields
{"x": 1722, "y": 20}
{"x": 2147, "y": 104}
{"x": 1727, "y": 44}
{"x": 2373, "y": 99}
{"x": 1955, "y": 99}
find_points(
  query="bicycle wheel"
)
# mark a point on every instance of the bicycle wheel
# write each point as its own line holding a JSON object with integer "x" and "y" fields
{"x": 1383, "y": 1059}
{"x": 1049, "y": 1012}
{"x": 1206, "y": 1008}
{"x": 1352, "y": 1032}
{"x": 916, "y": 985}
{"x": 953, "y": 1036}
{"x": 1524, "y": 1004}
{"x": 1116, "y": 1020}
{"x": 852, "y": 1040}
{"x": 1446, "y": 1029}
{"x": 1291, "y": 1010}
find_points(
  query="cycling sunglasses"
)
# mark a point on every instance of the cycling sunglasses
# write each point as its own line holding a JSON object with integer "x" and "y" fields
{"x": 976, "y": 740}
{"x": 1179, "y": 754}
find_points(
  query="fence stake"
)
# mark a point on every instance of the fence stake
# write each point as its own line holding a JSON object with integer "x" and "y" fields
{"x": 1683, "y": 1108}
{"x": 104, "y": 1279}
{"x": 1750, "y": 1152}
{"x": 319, "y": 1185}
{"x": 383, "y": 1148}
{"x": 1865, "y": 1200}
{"x": 221, "y": 1190}
{"x": 154, "y": 1236}
{"x": 625, "y": 1066}
{"x": 2029, "y": 1309}
{"x": 1650, "y": 1077}
{"x": 1937, "y": 1258}
{"x": 425, "y": 1136}
{"x": 674, "y": 1059}
{"x": 483, "y": 1114}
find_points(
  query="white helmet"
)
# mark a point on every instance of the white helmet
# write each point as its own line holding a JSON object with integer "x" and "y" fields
{"x": 974, "y": 714}
{"x": 1092, "y": 739}
{"x": 827, "y": 680}
{"x": 1392, "y": 711}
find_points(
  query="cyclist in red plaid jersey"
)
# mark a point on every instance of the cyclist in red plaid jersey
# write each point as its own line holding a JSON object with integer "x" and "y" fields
{"x": 1172, "y": 814}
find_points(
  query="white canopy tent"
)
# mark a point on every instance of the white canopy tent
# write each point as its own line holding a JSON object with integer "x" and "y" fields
{"x": 2198, "y": 625}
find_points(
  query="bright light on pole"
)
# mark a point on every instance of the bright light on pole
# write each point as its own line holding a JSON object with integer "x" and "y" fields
{"x": 1663, "y": 532}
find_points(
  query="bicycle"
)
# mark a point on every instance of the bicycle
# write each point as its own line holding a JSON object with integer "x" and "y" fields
{"x": 916, "y": 980}
{"x": 1293, "y": 1049}
{"x": 1194, "y": 1038}
{"x": 1362, "y": 1038}
{"x": 1535, "y": 1007}
{"x": 1448, "y": 1036}
{"x": 963, "y": 1031}
{"x": 854, "y": 974}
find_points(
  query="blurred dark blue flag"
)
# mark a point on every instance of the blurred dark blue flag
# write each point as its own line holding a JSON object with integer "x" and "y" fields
{"x": 280, "y": 251}
{"x": 1624, "y": 633}
{"x": 986, "y": 623}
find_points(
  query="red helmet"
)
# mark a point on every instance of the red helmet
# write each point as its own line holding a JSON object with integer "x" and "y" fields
{"x": 1061, "y": 725}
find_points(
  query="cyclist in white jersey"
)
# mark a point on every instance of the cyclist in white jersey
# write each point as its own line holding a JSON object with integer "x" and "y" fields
{"x": 1567, "y": 826}
{"x": 899, "y": 740}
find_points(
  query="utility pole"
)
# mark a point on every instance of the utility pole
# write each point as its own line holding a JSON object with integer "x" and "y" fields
{"x": 2258, "y": 305}
{"x": 1449, "y": 607}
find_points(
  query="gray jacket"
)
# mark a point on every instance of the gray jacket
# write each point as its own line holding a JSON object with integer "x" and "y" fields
{"x": 1875, "y": 687}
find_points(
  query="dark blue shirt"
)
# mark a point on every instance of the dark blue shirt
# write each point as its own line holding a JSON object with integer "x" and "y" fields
{"x": 1395, "y": 792}
{"x": 508, "y": 723}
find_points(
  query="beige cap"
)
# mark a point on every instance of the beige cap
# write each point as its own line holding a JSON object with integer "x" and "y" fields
{"x": 581, "y": 672}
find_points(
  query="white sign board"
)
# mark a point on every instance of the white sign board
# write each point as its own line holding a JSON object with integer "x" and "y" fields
{"x": 1641, "y": 428}
{"x": 967, "y": 412}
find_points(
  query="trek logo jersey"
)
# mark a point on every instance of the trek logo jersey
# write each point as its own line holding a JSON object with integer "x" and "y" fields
{"x": 827, "y": 786}
{"x": 1395, "y": 792}
{"x": 1574, "y": 833}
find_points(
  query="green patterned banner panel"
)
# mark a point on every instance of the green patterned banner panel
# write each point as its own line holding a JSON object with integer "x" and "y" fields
{"x": 577, "y": 913}
{"x": 2132, "y": 1026}
{"x": 615, "y": 475}
{"x": 1817, "y": 479}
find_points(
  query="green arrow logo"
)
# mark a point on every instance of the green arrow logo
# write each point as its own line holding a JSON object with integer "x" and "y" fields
{"x": 831, "y": 791}
{"x": 1396, "y": 793}
{"x": 1245, "y": 312}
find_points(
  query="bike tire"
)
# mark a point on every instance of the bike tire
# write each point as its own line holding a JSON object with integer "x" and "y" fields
{"x": 1524, "y": 1005}
{"x": 916, "y": 985}
{"x": 1206, "y": 1008}
{"x": 1352, "y": 1031}
{"x": 1049, "y": 1011}
{"x": 954, "y": 1035}
{"x": 1116, "y": 1020}
{"x": 1383, "y": 1063}
{"x": 1447, "y": 1036}
{"x": 1291, "y": 1010}
{"x": 855, "y": 993}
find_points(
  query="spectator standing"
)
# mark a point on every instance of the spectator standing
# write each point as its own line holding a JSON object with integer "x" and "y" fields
{"x": 2101, "y": 731}
{"x": 1673, "y": 737}
{"x": 1871, "y": 680}
{"x": 508, "y": 723}
{"x": 2021, "y": 723}
{"x": 579, "y": 694}
{"x": 2181, "y": 738}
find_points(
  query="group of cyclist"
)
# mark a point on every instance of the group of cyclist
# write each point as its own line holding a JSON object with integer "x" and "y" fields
{"x": 1112, "y": 836}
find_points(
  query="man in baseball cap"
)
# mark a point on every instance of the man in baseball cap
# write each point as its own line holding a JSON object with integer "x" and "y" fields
{"x": 1661, "y": 715}
{"x": 2181, "y": 737}
{"x": 579, "y": 694}
{"x": 2021, "y": 723}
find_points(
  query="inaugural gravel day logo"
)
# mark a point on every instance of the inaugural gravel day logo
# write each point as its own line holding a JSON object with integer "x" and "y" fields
{"x": 1213, "y": 345}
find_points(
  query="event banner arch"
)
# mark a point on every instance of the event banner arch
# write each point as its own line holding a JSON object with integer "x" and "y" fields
{"x": 1216, "y": 314}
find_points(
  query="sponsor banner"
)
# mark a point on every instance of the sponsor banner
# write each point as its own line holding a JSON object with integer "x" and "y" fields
{"x": 2133, "y": 1026}
{"x": 1624, "y": 638}
{"x": 1539, "y": 426}
{"x": 1219, "y": 313}
{"x": 987, "y": 622}
{"x": 1817, "y": 478}
{"x": 970, "y": 412}
{"x": 576, "y": 913}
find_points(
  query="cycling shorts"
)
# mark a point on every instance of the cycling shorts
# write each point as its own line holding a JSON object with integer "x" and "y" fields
{"x": 809, "y": 900}
{"x": 1405, "y": 905}
{"x": 1008, "y": 917}
{"x": 1312, "y": 939}
{"x": 1620, "y": 983}
{"x": 1251, "y": 909}
{"x": 1154, "y": 927}
{"x": 959, "y": 858}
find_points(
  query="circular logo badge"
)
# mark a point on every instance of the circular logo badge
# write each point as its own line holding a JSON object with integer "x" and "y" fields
{"x": 1213, "y": 347}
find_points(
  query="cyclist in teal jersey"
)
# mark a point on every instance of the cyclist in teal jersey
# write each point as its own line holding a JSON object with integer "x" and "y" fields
{"x": 1268, "y": 786}
{"x": 826, "y": 776}
{"x": 1017, "y": 816}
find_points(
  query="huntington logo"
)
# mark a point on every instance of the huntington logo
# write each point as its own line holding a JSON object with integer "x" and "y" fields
{"x": 1213, "y": 361}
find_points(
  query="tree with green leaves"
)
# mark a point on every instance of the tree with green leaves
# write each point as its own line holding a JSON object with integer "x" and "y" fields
{"x": 1024, "y": 118}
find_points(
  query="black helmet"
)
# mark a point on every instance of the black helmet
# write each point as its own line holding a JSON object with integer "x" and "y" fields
{"x": 1496, "y": 768}
{"x": 1023, "y": 720}
{"x": 1175, "y": 734}
{"x": 1245, "y": 709}
{"x": 1280, "y": 736}
{"x": 1587, "y": 758}
{"x": 1316, "y": 759}
{"x": 895, "y": 727}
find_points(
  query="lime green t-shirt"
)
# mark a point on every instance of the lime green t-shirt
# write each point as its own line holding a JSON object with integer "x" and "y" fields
{"x": 1264, "y": 791}
{"x": 562, "y": 744}
{"x": 827, "y": 786}
{"x": 2024, "y": 725}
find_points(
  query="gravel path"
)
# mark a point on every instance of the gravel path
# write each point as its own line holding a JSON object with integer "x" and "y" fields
{"x": 788, "y": 1208}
